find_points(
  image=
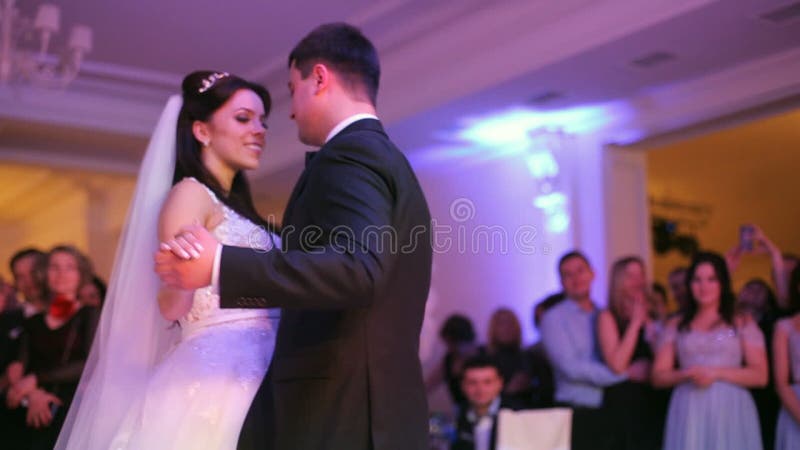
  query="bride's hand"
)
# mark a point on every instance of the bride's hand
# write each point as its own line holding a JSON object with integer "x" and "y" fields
{"x": 186, "y": 261}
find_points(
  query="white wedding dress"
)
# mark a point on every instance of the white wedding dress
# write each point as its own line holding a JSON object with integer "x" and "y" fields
{"x": 199, "y": 394}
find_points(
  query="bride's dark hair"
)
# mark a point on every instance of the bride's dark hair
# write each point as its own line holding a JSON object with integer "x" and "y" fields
{"x": 204, "y": 92}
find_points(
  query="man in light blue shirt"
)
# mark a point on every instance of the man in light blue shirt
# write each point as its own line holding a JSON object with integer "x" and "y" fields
{"x": 570, "y": 340}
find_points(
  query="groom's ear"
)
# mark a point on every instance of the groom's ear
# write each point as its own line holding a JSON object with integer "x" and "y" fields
{"x": 201, "y": 132}
{"x": 321, "y": 76}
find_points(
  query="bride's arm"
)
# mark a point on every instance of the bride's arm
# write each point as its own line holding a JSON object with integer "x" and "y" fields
{"x": 187, "y": 203}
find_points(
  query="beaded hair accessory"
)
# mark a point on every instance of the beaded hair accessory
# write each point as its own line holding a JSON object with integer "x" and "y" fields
{"x": 209, "y": 81}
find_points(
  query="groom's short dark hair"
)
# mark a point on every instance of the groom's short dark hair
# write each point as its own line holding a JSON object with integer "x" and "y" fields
{"x": 346, "y": 50}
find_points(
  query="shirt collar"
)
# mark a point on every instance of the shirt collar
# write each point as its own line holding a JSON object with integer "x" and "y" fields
{"x": 343, "y": 124}
{"x": 493, "y": 409}
{"x": 573, "y": 304}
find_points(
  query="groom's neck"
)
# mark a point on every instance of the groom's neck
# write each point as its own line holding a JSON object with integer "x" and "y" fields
{"x": 344, "y": 109}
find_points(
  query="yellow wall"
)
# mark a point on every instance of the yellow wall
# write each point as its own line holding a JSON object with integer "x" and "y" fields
{"x": 44, "y": 206}
{"x": 749, "y": 174}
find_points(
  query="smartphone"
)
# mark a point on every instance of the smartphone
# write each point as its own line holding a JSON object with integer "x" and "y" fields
{"x": 53, "y": 409}
{"x": 746, "y": 237}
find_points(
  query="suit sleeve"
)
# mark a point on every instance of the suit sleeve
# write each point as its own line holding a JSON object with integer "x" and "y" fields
{"x": 336, "y": 266}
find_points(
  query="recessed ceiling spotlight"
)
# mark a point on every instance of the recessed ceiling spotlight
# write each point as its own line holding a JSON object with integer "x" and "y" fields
{"x": 783, "y": 14}
{"x": 652, "y": 59}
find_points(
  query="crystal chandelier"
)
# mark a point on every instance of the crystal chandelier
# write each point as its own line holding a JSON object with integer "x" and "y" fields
{"x": 20, "y": 62}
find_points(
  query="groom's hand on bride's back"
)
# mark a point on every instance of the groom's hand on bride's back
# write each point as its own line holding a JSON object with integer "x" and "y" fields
{"x": 186, "y": 261}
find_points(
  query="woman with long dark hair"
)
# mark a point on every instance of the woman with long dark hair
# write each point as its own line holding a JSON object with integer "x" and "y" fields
{"x": 719, "y": 356}
{"x": 170, "y": 368}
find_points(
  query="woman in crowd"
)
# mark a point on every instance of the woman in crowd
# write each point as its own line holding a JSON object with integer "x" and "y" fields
{"x": 719, "y": 356}
{"x": 54, "y": 349}
{"x": 626, "y": 333}
{"x": 505, "y": 347}
{"x": 786, "y": 366}
{"x": 757, "y": 300}
{"x": 458, "y": 335}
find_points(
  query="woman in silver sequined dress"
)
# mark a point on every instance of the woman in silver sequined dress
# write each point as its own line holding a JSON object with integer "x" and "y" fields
{"x": 170, "y": 369}
{"x": 719, "y": 355}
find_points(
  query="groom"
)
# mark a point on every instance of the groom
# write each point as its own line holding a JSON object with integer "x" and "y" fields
{"x": 353, "y": 275}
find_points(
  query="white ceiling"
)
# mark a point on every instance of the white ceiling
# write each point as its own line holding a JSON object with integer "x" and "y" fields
{"x": 709, "y": 39}
{"x": 442, "y": 60}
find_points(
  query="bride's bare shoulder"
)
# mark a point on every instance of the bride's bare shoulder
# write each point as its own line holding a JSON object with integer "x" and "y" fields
{"x": 187, "y": 202}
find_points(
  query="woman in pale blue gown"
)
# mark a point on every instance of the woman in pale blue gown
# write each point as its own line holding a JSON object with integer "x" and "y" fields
{"x": 786, "y": 364}
{"x": 719, "y": 355}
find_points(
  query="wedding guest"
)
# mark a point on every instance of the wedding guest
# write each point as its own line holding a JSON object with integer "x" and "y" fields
{"x": 786, "y": 369}
{"x": 676, "y": 280}
{"x": 29, "y": 288}
{"x": 712, "y": 356}
{"x": 504, "y": 345}
{"x": 54, "y": 349}
{"x": 458, "y": 335}
{"x": 757, "y": 300}
{"x": 568, "y": 333}
{"x": 626, "y": 333}
{"x": 29, "y": 279}
{"x": 753, "y": 242}
{"x": 660, "y": 301}
{"x": 482, "y": 384}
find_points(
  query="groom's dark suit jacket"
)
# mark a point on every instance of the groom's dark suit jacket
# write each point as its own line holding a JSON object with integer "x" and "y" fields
{"x": 352, "y": 280}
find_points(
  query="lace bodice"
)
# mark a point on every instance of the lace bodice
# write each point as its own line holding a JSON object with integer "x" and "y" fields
{"x": 720, "y": 347}
{"x": 233, "y": 230}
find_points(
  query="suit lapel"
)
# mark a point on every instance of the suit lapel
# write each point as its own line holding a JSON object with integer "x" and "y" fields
{"x": 298, "y": 188}
{"x": 363, "y": 124}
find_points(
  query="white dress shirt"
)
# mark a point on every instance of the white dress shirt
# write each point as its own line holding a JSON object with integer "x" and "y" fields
{"x": 482, "y": 430}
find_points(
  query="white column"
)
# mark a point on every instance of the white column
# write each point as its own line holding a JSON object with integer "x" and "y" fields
{"x": 609, "y": 206}
{"x": 588, "y": 208}
{"x": 627, "y": 210}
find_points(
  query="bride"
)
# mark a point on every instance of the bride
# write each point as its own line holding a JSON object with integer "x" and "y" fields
{"x": 151, "y": 383}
